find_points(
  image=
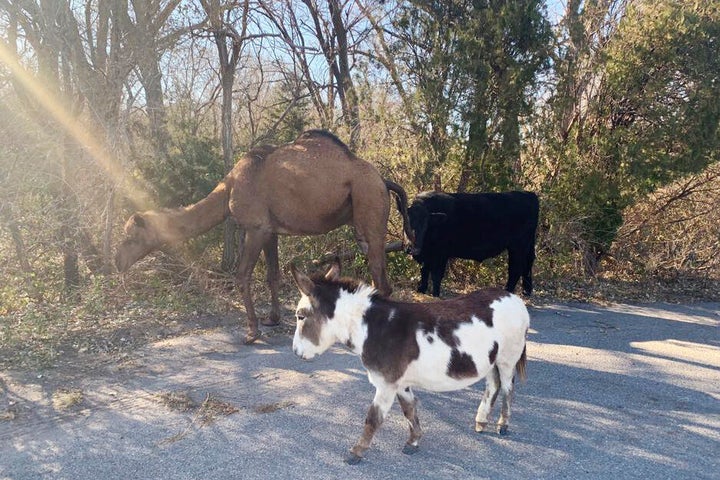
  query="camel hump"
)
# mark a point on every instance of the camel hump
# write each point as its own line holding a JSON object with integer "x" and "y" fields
{"x": 261, "y": 152}
{"x": 324, "y": 134}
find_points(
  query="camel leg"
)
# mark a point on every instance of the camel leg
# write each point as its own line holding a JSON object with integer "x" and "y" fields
{"x": 371, "y": 210}
{"x": 273, "y": 279}
{"x": 375, "y": 252}
{"x": 254, "y": 242}
{"x": 372, "y": 243}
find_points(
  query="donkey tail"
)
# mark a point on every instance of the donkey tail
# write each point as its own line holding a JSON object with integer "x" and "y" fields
{"x": 521, "y": 365}
{"x": 402, "y": 205}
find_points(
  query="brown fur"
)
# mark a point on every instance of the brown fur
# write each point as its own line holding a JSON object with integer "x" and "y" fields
{"x": 307, "y": 187}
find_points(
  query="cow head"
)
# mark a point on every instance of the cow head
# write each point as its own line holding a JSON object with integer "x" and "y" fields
{"x": 421, "y": 221}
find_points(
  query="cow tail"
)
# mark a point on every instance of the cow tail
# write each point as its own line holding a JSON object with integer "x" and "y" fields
{"x": 402, "y": 205}
{"x": 521, "y": 365}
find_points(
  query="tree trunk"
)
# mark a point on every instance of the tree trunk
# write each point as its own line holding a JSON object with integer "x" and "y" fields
{"x": 107, "y": 234}
{"x": 343, "y": 77}
{"x": 17, "y": 238}
{"x": 230, "y": 227}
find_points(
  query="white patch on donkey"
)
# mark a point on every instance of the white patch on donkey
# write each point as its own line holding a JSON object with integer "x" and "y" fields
{"x": 438, "y": 346}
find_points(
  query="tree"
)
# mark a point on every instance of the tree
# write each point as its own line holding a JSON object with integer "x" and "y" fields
{"x": 331, "y": 31}
{"x": 631, "y": 112}
{"x": 471, "y": 66}
{"x": 85, "y": 54}
{"x": 229, "y": 45}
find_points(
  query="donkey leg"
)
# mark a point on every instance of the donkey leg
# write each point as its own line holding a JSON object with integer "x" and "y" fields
{"x": 408, "y": 403}
{"x": 376, "y": 414}
{"x": 254, "y": 242}
{"x": 507, "y": 379}
{"x": 273, "y": 278}
{"x": 492, "y": 385}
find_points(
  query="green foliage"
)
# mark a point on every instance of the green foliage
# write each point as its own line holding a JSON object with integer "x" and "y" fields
{"x": 193, "y": 168}
{"x": 289, "y": 112}
{"x": 663, "y": 90}
{"x": 630, "y": 112}
{"x": 474, "y": 65}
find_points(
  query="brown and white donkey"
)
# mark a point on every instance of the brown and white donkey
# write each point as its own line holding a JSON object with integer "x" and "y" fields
{"x": 437, "y": 346}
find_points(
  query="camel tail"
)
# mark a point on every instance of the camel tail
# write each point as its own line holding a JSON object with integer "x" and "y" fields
{"x": 402, "y": 206}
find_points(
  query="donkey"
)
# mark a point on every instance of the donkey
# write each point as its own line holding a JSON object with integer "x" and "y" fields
{"x": 438, "y": 346}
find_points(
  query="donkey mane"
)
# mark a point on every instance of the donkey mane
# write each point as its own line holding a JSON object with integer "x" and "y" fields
{"x": 348, "y": 284}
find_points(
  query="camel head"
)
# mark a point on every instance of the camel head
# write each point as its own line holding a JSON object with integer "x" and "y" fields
{"x": 141, "y": 238}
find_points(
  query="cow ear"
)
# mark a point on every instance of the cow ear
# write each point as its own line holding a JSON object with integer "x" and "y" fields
{"x": 438, "y": 218}
{"x": 138, "y": 220}
{"x": 334, "y": 272}
{"x": 304, "y": 284}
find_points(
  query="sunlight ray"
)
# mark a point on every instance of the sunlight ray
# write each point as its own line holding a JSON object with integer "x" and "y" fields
{"x": 77, "y": 130}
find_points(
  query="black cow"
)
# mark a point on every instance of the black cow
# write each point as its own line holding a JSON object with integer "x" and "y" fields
{"x": 474, "y": 226}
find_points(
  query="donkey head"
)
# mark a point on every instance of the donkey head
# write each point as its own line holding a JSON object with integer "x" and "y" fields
{"x": 314, "y": 332}
{"x": 140, "y": 239}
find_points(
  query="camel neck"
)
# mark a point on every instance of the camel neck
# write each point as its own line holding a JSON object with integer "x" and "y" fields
{"x": 186, "y": 222}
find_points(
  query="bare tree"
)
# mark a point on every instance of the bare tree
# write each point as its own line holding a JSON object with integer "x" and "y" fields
{"x": 85, "y": 55}
{"x": 229, "y": 44}
{"x": 333, "y": 31}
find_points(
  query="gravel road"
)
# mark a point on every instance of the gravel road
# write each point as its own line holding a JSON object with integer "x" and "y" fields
{"x": 619, "y": 391}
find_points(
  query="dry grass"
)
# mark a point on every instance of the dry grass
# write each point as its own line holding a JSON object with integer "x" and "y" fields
{"x": 273, "y": 407}
{"x": 66, "y": 398}
{"x": 203, "y": 413}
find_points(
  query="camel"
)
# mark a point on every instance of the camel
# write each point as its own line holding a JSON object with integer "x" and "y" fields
{"x": 308, "y": 187}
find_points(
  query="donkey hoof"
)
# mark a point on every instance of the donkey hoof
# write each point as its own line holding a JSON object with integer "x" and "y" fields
{"x": 352, "y": 459}
{"x": 409, "y": 449}
{"x": 480, "y": 426}
{"x": 502, "y": 429}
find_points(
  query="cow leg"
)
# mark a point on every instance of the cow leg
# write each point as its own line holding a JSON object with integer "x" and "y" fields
{"x": 527, "y": 284}
{"x": 382, "y": 402}
{"x": 273, "y": 279}
{"x": 492, "y": 386}
{"x": 254, "y": 243}
{"x": 506, "y": 385}
{"x": 515, "y": 269}
{"x": 408, "y": 403}
{"x": 437, "y": 273}
{"x": 424, "y": 277}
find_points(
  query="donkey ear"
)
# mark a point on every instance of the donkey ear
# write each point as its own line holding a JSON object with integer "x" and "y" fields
{"x": 304, "y": 284}
{"x": 334, "y": 272}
